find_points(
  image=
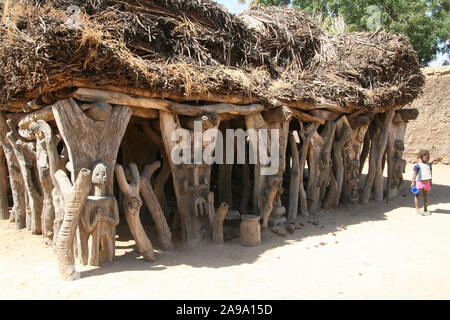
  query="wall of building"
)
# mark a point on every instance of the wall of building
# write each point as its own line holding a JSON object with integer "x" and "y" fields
{"x": 431, "y": 129}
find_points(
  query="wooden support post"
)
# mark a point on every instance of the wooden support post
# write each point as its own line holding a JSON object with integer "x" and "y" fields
{"x": 131, "y": 206}
{"x": 352, "y": 154}
{"x": 364, "y": 152}
{"x": 394, "y": 150}
{"x": 26, "y": 156}
{"x": 165, "y": 236}
{"x": 4, "y": 208}
{"x": 48, "y": 211}
{"x": 306, "y": 133}
{"x": 94, "y": 144}
{"x": 191, "y": 181}
{"x": 164, "y": 174}
{"x": 379, "y": 132}
{"x": 55, "y": 163}
{"x": 267, "y": 188}
{"x": 343, "y": 137}
{"x": 294, "y": 182}
{"x": 216, "y": 218}
{"x": 74, "y": 197}
{"x": 224, "y": 183}
{"x": 319, "y": 164}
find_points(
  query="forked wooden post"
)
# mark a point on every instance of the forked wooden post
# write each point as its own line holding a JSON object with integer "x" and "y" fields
{"x": 26, "y": 156}
{"x": 94, "y": 143}
{"x": 131, "y": 206}
{"x": 165, "y": 236}
{"x": 379, "y": 132}
{"x": 191, "y": 180}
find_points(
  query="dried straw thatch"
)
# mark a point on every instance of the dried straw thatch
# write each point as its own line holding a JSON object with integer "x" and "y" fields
{"x": 196, "y": 50}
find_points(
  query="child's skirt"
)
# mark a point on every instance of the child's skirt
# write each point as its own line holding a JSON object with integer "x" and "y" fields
{"x": 425, "y": 185}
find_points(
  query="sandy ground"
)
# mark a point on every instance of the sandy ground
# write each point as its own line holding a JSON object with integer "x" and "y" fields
{"x": 382, "y": 250}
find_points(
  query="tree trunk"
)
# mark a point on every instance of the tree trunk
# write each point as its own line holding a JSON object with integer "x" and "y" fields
{"x": 75, "y": 197}
{"x": 131, "y": 206}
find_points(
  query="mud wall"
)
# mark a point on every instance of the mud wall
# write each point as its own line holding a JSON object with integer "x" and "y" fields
{"x": 431, "y": 129}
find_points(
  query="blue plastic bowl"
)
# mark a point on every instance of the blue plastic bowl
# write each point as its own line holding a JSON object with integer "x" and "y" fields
{"x": 414, "y": 190}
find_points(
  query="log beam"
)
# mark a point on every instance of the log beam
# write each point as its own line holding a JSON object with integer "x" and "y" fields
{"x": 119, "y": 98}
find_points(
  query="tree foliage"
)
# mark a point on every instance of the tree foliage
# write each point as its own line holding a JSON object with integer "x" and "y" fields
{"x": 426, "y": 23}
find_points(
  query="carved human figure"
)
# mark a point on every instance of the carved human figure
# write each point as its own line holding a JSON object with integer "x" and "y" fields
{"x": 99, "y": 221}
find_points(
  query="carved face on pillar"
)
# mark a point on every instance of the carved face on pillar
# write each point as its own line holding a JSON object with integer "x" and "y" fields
{"x": 134, "y": 205}
{"x": 99, "y": 174}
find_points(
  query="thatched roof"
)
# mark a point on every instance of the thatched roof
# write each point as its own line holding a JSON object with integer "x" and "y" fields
{"x": 196, "y": 50}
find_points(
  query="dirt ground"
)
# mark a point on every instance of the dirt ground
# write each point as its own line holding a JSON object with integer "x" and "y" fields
{"x": 382, "y": 250}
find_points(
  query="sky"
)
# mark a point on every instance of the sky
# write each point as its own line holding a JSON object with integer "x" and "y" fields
{"x": 234, "y": 6}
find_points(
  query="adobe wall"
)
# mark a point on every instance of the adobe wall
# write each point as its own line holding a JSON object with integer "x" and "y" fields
{"x": 431, "y": 129}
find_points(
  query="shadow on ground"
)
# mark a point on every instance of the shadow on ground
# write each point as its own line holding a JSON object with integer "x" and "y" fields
{"x": 209, "y": 255}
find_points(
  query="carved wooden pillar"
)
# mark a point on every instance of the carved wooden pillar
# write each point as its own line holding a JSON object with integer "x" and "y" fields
{"x": 92, "y": 141}
{"x": 74, "y": 199}
{"x": 26, "y": 156}
{"x": 48, "y": 211}
{"x": 394, "y": 150}
{"x": 319, "y": 164}
{"x": 352, "y": 154}
{"x": 191, "y": 181}
{"x": 132, "y": 205}
{"x": 55, "y": 163}
{"x": 267, "y": 188}
{"x": 15, "y": 176}
{"x": 342, "y": 138}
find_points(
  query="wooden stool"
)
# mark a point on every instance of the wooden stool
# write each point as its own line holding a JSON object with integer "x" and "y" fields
{"x": 250, "y": 231}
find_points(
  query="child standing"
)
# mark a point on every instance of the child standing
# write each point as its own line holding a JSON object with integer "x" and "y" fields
{"x": 422, "y": 172}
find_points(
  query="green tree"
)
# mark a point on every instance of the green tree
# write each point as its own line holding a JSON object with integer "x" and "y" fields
{"x": 426, "y": 23}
